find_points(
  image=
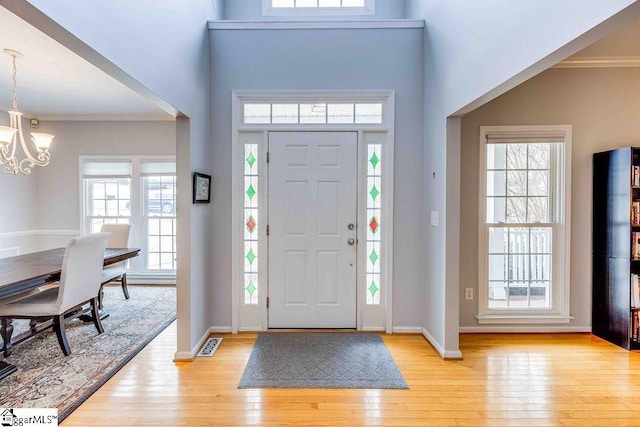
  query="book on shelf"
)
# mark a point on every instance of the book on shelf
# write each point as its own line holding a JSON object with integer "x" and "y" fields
{"x": 634, "y": 326}
{"x": 635, "y": 245}
{"x": 635, "y": 291}
{"x": 635, "y": 176}
{"x": 635, "y": 212}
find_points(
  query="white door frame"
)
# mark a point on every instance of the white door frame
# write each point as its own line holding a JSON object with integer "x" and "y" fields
{"x": 246, "y": 317}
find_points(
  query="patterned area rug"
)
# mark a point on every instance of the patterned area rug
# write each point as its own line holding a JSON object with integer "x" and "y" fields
{"x": 47, "y": 379}
{"x": 321, "y": 360}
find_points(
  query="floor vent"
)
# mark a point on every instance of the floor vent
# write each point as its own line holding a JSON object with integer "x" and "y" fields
{"x": 210, "y": 347}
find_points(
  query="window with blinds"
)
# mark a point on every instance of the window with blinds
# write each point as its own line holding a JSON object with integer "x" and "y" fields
{"x": 138, "y": 191}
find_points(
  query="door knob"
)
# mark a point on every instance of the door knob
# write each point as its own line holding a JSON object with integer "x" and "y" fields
{"x": 351, "y": 242}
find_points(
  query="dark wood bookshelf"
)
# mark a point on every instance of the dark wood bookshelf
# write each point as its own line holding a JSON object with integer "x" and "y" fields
{"x": 612, "y": 262}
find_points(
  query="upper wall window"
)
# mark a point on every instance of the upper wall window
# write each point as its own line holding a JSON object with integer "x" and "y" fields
{"x": 317, "y": 7}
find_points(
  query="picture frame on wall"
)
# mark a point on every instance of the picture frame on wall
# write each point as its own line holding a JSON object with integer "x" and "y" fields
{"x": 201, "y": 188}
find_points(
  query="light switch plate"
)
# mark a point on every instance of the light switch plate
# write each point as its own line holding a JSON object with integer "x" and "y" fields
{"x": 434, "y": 218}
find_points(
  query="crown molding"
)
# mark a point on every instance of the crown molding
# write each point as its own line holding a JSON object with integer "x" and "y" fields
{"x": 600, "y": 62}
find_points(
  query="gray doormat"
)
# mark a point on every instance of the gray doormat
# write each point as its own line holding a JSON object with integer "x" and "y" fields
{"x": 321, "y": 360}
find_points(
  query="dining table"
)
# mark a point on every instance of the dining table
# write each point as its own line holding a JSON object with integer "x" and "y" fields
{"x": 29, "y": 271}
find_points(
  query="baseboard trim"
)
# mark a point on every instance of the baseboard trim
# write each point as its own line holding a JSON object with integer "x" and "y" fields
{"x": 444, "y": 354}
{"x": 249, "y": 329}
{"x": 372, "y": 329}
{"x": 150, "y": 279}
{"x": 188, "y": 356}
{"x": 183, "y": 356}
{"x": 521, "y": 329}
{"x": 407, "y": 330}
{"x": 220, "y": 329}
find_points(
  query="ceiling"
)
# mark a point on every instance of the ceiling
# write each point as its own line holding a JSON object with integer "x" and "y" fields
{"x": 56, "y": 84}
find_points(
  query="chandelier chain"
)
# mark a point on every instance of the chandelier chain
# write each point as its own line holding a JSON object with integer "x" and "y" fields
{"x": 15, "y": 84}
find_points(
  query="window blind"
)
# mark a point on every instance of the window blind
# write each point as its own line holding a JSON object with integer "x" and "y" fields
{"x": 106, "y": 169}
{"x": 520, "y": 137}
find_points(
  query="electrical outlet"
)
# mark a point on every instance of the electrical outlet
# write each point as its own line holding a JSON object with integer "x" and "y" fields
{"x": 468, "y": 294}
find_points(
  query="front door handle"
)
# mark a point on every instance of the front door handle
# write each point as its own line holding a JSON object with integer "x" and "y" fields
{"x": 351, "y": 242}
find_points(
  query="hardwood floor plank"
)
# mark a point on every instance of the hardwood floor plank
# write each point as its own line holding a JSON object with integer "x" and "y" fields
{"x": 503, "y": 380}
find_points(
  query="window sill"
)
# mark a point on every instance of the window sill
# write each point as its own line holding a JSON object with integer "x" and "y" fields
{"x": 497, "y": 319}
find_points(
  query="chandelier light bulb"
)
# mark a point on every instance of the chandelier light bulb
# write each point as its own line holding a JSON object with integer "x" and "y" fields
{"x": 42, "y": 140}
{"x": 6, "y": 134}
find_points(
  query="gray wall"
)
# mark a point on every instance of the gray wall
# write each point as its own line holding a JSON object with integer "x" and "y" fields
{"x": 18, "y": 206}
{"x": 163, "y": 46}
{"x": 58, "y": 187}
{"x": 602, "y": 104}
{"x": 251, "y": 10}
{"x": 475, "y": 51}
{"x": 47, "y": 203}
{"x": 324, "y": 60}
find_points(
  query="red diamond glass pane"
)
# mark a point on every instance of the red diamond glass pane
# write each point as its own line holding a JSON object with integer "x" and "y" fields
{"x": 251, "y": 224}
{"x": 373, "y": 224}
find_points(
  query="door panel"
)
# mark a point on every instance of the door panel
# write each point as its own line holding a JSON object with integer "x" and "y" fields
{"x": 312, "y": 201}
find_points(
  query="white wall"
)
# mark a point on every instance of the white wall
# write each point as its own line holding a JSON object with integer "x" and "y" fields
{"x": 602, "y": 104}
{"x": 251, "y": 10}
{"x": 475, "y": 51}
{"x": 324, "y": 60}
{"x": 159, "y": 47}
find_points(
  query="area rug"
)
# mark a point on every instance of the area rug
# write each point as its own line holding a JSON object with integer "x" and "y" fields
{"x": 321, "y": 360}
{"x": 47, "y": 379}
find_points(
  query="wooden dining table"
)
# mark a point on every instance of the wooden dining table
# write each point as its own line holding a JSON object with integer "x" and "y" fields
{"x": 25, "y": 272}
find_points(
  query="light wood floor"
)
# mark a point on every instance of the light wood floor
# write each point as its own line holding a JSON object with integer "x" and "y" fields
{"x": 519, "y": 380}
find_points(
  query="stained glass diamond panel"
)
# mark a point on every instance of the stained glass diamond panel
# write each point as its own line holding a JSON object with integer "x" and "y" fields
{"x": 251, "y": 224}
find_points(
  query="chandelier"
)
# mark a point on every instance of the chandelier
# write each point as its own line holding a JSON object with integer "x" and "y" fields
{"x": 10, "y": 135}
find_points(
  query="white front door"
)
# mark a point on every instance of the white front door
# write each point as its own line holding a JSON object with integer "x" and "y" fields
{"x": 312, "y": 234}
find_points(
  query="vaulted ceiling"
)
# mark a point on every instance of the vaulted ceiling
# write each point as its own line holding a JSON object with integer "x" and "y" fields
{"x": 56, "y": 84}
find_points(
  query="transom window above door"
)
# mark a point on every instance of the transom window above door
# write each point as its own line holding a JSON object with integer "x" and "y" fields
{"x": 313, "y": 113}
{"x": 317, "y": 7}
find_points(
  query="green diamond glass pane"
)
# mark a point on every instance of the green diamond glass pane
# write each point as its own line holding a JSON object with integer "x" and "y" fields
{"x": 251, "y": 192}
{"x": 251, "y": 256}
{"x": 374, "y": 192}
{"x": 374, "y": 160}
{"x": 373, "y": 257}
{"x": 251, "y": 160}
{"x": 373, "y": 288}
{"x": 251, "y": 288}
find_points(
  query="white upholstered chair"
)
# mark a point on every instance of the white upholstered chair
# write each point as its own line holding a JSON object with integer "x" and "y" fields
{"x": 80, "y": 281}
{"x": 120, "y": 237}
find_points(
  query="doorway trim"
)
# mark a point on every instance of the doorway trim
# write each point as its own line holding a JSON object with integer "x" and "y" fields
{"x": 255, "y": 317}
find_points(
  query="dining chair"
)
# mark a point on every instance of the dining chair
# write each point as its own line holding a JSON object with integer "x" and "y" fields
{"x": 80, "y": 281}
{"x": 120, "y": 238}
